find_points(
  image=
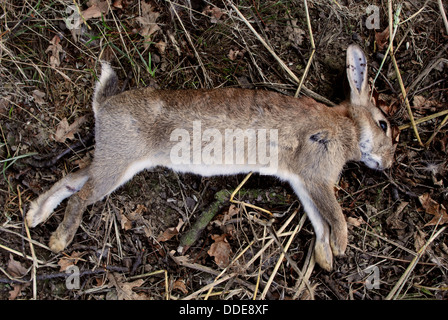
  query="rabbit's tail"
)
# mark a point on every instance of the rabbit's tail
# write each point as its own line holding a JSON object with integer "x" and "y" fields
{"x": 106, "y": 86}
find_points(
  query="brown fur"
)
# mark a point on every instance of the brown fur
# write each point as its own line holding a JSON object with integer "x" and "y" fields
{"x": 314, "y": 142}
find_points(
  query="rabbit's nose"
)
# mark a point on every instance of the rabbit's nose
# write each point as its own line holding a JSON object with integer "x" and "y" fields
{"x": 372, "y": 161}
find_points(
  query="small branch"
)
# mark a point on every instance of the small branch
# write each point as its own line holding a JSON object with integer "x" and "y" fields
{"x": 207, "y": 79}
{"x": 280, "y": 61}
{"x": 393, "y": 294}
{"x": 424, "y": 119}
{"x": 393, "y": 25}
{"x": 43, "y": 277}
{"x": 442, "y": 11}
{"x": 427, "y": 143}
{"x": 190, "y": 237}
{"x": 313, "y": 48}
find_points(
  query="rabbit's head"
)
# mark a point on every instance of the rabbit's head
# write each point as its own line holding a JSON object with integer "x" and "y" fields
{"x": 378, "y": 139}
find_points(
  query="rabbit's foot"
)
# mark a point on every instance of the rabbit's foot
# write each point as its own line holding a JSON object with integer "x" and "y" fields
{"x": 58, "y": 242}
{"x": 323, "y": 255}
{"x": 40, "y": 209}
{"x": 35, "y": 215}
{"x": 338, "y": 240}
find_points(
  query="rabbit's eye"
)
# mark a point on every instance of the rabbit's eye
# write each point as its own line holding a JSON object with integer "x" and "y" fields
{"x": 383, "y": 125}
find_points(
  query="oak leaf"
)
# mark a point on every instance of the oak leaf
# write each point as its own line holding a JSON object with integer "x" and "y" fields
{"x": 71, "y": 260}
{"x": 220, "y": 250}
{"x": 170, "y": 232}
{"x": 180, "y": 285}
{"x": 16, "y": 270}
{"x": 435, "y": 209}
{"x": 55, "y": 49}
{"x": 381, "y": 39}
{"x": 65, "y": 131}
{"x": 147, "y": 22}
{"x": 96, "y": 9}
{"x": 124, "y": 289}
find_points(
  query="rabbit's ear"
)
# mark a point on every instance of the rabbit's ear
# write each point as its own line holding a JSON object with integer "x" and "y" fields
{"x": 357, "y": 75}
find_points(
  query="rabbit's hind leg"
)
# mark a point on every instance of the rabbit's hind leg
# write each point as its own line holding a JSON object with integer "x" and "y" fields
{"x": 104, "y": 179}
{"x": 41, "y": 208}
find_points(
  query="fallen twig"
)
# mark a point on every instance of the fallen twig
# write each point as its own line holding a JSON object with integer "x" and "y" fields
{"x": 442, "y": 12}
{"x": 183, "y": 261}
{"x": 218, "y": 280}
{"x": 208, "y": 80}
{"x": 424, "y": 119}
{"x": 190, "y": 237}
{"x": 313, "y": 49}
{"x": 284, "y": 254}
{"x": 307, "y": 269}
{"x": 49, "y": 276}
{"x": 393, "y": 26}
{"x": 393, "y": 294}
{"x": 33, "y": 253}
{"x": 280, "y": 61}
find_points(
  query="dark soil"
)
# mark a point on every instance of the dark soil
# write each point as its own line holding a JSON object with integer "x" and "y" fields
{"x": 119, "y": 249}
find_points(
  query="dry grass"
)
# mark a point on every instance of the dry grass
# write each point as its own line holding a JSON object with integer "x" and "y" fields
{"x": 270, "y": 45}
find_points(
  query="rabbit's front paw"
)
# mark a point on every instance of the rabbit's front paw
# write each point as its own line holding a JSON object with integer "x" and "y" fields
{"x": 338, "y": 240}
{"x": 323, "y": 255}
{"x": 58, "y": 242}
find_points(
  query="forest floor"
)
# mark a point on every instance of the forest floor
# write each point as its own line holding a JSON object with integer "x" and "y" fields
{"x": 127, "y": 245}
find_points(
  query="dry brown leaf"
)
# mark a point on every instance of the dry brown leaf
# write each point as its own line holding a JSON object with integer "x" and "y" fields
{"x": 435, "y": 209}
{"x": 126, "y": 224}
{"x": 381, "y": 39}
{"x": 17, "y": 288}
{"x": 419, "y": 239}
{"x": 214, "y": 13}
{"x": 118, "y": 4}
{"x": 124, "y": 289}
{"x": 233, "y": 210}
{"x": 180, "y": 285}
{"x": 65, "y": 131}
{"x": 71, "y": 260}
{"x": 161, "y": 46}
{"x": 443, "y": 142}
{"x": 234, "y": 54}
{"x": 423, "y": 105}
{"x": 137, "y": 215}
{"x": 38, "y": 97}
{"x": 167, "y": 234}
{"x": 394, "y": 221}
{"x": 355, "y": 221}
{"x": 16, "y": 270}
{"x": 96, "y": 9}
{"x": 55, "y": 49}
{"x": 295, "y": 34}
{"x": 170, "y": 232}
{"x": 147, "y": 22}
{"x": 220, "y": 250}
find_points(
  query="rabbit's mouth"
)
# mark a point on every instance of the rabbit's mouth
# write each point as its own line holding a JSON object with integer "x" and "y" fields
{"x": 371, "y": 161}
